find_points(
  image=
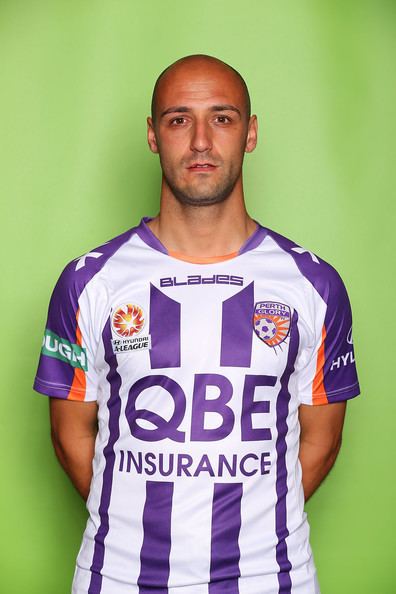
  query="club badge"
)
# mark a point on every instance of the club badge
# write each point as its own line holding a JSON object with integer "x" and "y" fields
{"x": 271, "y": 322}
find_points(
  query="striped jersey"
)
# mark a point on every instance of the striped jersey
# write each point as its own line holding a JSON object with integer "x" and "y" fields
{"x": 198, "y": 369}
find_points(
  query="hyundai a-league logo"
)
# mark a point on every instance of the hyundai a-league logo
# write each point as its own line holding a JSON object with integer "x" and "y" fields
{"x": 271, "y": 322}
{"x": 128, "y": 320}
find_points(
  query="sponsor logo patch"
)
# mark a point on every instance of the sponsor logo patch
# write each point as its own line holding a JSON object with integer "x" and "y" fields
{"x": 127, "y": 322}
{"x": 198, "y": 279}
{"x": 60, "y": 348}
{"x": 271, "y": 322}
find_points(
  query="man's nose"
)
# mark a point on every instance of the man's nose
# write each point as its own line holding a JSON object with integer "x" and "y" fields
{"x": 201, "y": 139}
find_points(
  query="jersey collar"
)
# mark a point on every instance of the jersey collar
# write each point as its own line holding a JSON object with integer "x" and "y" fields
{"x": 146, "y": 235}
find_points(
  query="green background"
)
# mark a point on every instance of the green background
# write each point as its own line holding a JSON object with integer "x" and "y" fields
{"x": 76, "y": 80}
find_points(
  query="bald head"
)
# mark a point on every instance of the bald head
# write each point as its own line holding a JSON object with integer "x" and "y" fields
{"x": 198, "y": 65}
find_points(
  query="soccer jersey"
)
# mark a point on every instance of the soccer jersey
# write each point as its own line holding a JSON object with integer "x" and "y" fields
{"x": 198, "y": 369}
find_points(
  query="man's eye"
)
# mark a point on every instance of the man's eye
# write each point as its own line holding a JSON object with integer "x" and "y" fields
{"x": 222, "y": 119}
{"x": 177, "y": 121}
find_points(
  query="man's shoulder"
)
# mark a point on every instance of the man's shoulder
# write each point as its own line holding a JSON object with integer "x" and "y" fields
{"x": 320, "y": 273}
{"x": 81, "y": 270}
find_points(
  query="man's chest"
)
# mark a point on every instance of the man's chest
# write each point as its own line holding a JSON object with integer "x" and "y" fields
{"x": 202, "y": 358}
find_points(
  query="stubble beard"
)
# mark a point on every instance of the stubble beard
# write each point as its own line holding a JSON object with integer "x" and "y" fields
{"x": 190, "y": 196}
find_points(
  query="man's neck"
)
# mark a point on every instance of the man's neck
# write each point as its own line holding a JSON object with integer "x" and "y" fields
{"x": 204, "y": 231}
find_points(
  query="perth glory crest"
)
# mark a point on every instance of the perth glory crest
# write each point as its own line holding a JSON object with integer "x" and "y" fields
{"x": 271, "y": 322}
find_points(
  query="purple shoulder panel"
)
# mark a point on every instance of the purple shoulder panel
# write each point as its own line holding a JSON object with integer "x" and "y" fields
{"x": 55, "y": 375}
{"x": 76, "y": 275}
{"x": 339, "y": 371}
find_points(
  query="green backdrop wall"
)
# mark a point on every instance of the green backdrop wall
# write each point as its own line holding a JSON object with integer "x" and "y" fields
{"x": 75, "y": 170}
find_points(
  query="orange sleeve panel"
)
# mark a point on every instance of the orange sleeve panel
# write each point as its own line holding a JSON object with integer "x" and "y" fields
{"x": 319, "y": 395}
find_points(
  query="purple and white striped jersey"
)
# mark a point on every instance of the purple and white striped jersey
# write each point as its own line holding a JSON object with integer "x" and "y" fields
{"x": 198, "y": 369}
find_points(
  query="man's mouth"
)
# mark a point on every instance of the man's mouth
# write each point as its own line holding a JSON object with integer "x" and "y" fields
{"x": 201, "y": 167}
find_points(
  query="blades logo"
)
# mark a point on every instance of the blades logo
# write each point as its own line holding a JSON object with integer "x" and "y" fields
{"x": 271, "y": 322}
{"x": 128, "y": 320}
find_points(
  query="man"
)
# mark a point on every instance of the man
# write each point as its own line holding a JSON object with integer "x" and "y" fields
{"x": 202, "y": 363}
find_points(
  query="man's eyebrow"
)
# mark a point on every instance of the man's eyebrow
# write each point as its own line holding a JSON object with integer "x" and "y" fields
{"x": 225, "y": 107}
{"x": 175, "y": 109}
{"x": 185, "y": 109}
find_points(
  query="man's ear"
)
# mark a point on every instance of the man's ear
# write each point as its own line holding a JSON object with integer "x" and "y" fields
{"x": 151, "y": 138}
{"x": 251, "y": 140}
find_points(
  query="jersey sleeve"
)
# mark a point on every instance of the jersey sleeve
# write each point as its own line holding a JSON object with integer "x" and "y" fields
{"x": 66, "y": 366}
{"x": 328, "y": 373}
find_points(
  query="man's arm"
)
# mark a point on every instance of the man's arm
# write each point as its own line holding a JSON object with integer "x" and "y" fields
{"x": 320, "y": 442}
{"x": 73, "y": 433}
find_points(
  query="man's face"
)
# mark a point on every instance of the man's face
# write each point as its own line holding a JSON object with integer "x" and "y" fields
{"x": 201, "y": 132}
